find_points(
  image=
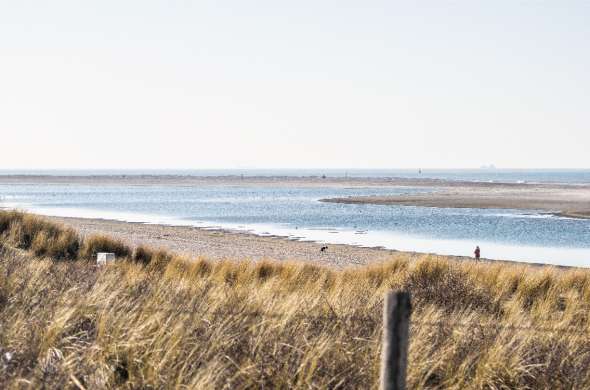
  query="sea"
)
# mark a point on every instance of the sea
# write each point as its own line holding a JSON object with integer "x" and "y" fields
{"x": 297, "y": 213}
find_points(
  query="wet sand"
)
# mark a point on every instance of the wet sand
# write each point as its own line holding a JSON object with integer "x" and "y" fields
{"x": 561, "y": 200}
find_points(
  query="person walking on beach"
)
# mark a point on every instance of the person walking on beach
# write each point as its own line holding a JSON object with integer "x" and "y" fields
{"x": 477, "y": 253}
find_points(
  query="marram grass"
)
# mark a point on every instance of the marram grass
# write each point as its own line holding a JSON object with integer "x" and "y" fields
{"x": 160, "y": 321}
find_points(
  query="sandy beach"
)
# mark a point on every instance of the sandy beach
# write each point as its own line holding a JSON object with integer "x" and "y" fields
{"x": 223, "y": 244}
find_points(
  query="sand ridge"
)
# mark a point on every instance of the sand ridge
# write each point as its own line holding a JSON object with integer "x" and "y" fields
{"x": 561, "y": 200}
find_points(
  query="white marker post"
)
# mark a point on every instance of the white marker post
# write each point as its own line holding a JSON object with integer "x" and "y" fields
{"x": 103, "y": 258}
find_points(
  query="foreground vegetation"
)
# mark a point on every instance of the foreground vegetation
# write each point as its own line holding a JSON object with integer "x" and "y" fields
{"x": 160, "y": 321}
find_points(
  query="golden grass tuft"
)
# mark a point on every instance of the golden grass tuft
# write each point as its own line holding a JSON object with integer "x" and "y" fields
{"x": 100, "y": 243}
{"x": 43, "y": 237}
{"x": 178, "y": 323}
{"x": 156, "y": 259}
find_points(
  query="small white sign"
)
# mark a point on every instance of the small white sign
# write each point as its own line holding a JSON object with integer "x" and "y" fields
{"x": 104, "y": 258}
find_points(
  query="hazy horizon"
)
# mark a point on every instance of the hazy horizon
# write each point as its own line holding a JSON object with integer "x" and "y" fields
{"x": 343, "y": 169}
{"x": 179, "y": 85}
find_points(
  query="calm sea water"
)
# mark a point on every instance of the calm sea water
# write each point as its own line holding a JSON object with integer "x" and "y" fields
{"x": 297, "y": 213}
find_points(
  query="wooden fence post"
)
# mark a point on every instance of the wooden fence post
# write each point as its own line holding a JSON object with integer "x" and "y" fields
{"x": 396, "y": 323}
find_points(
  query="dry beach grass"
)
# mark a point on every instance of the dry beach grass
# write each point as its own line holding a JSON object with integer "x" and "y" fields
{"x": 156, "y": 320}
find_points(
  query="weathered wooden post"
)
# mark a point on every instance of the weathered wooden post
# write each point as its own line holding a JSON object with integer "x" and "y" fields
{"x": 396, "y": 324}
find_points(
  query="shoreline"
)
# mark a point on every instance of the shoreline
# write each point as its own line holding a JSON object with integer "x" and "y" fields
{"x": 221, "y": 244}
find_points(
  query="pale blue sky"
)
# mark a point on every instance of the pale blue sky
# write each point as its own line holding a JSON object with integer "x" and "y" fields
{"x": 237, "y": 84}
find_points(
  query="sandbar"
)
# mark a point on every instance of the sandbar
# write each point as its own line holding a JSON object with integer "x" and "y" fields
{"x": 561, "y": 200}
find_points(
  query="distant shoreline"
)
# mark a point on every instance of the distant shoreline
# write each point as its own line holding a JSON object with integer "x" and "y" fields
{"x": 190, "y": 180}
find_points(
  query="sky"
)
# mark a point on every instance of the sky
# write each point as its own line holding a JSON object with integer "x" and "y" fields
{"x": 305, "y": 84}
